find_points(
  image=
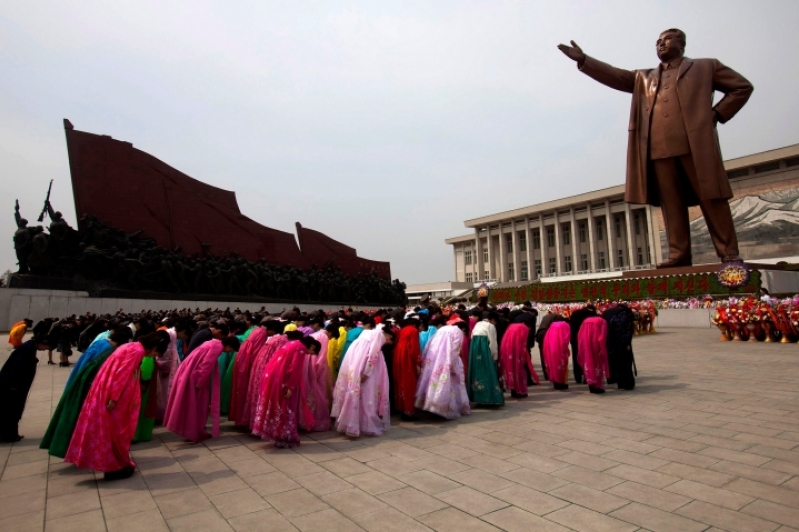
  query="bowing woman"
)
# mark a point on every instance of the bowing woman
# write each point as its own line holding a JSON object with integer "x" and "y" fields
{"x": 108, "y": 418}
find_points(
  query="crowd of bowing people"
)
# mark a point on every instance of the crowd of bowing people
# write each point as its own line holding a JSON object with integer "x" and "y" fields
{"x": 276, "y": 375}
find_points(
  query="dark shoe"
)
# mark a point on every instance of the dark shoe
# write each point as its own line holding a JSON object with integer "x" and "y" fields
{"x": 408, "y": 417}
{"x": 518, "y": 395}
{"x": 50, "y": 363}
{"x": 596, "y": 390}
{"x": 732, "y": 258}
{"x": 12, "y": 439}
{"x": 64, "y": 364}
{"x": 675, "y": 263}
{"x": 125, "y": 472}
{"x": 560, "y": 386}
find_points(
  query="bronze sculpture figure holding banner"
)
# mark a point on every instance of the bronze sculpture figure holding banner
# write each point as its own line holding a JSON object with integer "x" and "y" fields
{"x": 673, "y": 154}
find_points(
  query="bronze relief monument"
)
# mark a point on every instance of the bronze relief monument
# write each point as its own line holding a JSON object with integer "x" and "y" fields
{"x": 673, "y": 154}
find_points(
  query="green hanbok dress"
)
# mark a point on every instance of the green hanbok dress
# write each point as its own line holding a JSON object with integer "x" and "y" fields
{"x": 62, "y": 425}
{"x": 482, "y": 383}
{"x": 149, "y": 401}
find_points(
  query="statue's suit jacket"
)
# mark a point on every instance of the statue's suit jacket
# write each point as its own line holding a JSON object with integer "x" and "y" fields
{"x": 697, "y": 80}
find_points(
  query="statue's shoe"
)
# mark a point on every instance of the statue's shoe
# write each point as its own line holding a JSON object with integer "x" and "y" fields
{"x": 675, "y": 263}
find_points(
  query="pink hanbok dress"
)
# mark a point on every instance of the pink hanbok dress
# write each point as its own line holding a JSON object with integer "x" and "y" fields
{"x": 257, "y": 365}
{"x": 442, "y": 385}
{"x": 239, "y": 385}
{"x": 515, "y": 357}
{"x": 361, "y": 394}
{"x": 195, "y": 393}
{"x": 101, "y": 440}
{"x": 277, "y": 417}
{"x": 167, "y": 367}
{"x": 556, "y": 352}
{"x": 592, "y": 351}
{"x": 317, "y": 383}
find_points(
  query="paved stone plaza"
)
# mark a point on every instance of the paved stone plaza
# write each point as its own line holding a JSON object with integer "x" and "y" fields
{"x": 708, "y": 441}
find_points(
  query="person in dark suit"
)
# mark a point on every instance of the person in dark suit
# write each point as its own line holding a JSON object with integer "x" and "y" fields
{"x": 16, "y": 378}
{"x": 673, "y": 154}
{"x": 575, "y": 321}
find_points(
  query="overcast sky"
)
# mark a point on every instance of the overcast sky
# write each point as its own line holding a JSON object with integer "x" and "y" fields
{"x": 383, "y": 124}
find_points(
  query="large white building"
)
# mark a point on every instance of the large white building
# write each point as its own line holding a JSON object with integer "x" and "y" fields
{"x": 598, "y": 234}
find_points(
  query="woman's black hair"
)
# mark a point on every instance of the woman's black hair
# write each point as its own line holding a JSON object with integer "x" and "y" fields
{"x": 390, "y": 332}
{"x": 158, "y": 340}
{"x": 332, "y": 329}
{"x": 121, "y": 336}
{"x": 276, "y": 326}
{"x": 221, "y": 326}
{"x": 295, "y": 335}
{"x": 232, "y": 342}
{"x": 310, "y": 342}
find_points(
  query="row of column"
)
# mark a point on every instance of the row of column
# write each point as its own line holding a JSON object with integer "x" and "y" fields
{"x": 502, "y": 275}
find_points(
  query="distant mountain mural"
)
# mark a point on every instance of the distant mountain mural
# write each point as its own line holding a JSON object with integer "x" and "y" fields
{"x": 767, "y": 226}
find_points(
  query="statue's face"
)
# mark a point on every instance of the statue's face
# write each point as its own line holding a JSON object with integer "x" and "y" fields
{"x": 669, "y": 46}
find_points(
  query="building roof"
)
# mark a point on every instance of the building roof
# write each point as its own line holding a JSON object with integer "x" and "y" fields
{"x": 607, "y": 193}
{"x": 548, "y": 206}
{"x": 786, "y": 152}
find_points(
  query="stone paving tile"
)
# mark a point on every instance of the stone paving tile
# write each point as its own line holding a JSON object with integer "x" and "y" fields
{"x": 651, "y": 478}
{"x": 72, "y": 503}
{"x": 123, "y": 504}
{"x": 471, "y": 501}
{"x": 481, "y": 480}
{"x": 296, "y": 502}
{"x": 580, "y": 475}
{"x": 764, "y": 491}
{"x": 207, "y": 521}
{"x": 375, "y": 482}
{"x": 773, "y": 512}
{"x": 329, "y": 520}
{"x": 725, "y": 519}
{"x": 703, "y": 492}
{"x": 353, "y": 502}
{"x": 83, "y": 522}
{"x": 598, "y": 501}
{"x": 453, "y": 520}
{"x": 24, "y": 522}
{"x": 656, "y": 520}
{"x": 323, "y": 483}
{"x": 648, "y": 495}
{"x": 264, "y": 521}
{"x": 412, "y": 502}
{"x": 530, "y": 500}
{"x": 149, "y": 521}
{"x": 389, "y": 520}
{"x": 239, "y": 502}
{"x": 516, "y": 520}
{"x": 428, "y": 482}
{"x": 585, "y": 520}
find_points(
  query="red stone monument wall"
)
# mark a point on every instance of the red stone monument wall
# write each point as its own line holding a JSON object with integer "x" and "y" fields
{"x": 129, "y": 189}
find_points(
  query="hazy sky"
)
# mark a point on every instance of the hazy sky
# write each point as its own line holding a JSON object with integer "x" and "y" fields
{"x": 383, "y": 124}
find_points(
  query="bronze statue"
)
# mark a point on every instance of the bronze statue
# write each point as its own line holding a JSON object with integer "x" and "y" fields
{"x": 673, "y": 154}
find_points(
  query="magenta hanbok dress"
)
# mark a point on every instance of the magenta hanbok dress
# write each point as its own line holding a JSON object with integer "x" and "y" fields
{"x": 239, "y": 385}
{"x": 101, "y": 440}
{"x": 515, "y": 357}
{"x": 316, "y": 373}
{"x": 592, "y": 351}
{"x": 442, "y": 384}
{"x": 276, "y": 417}
{"x": 195, "y": 393}
{"x": 556, "y": 351}
{"x": 258, "y": 363}
{"x": 361, "y": 394}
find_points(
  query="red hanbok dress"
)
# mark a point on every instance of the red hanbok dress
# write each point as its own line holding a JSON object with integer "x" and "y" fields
{"x": 406, "y": 364}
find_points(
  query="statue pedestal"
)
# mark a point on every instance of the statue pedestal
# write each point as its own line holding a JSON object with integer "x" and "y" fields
{"x": 672, "y": 283}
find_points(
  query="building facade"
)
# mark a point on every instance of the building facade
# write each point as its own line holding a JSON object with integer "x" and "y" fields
{"x": 598, "y": 234}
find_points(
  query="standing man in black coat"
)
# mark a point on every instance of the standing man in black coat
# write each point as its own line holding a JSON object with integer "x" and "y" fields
{"x": 576, "y": 320}
{"x": 16, "y": 379}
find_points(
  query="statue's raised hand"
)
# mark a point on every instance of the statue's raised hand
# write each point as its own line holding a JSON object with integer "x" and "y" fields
{"x": 573, "y": 52}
